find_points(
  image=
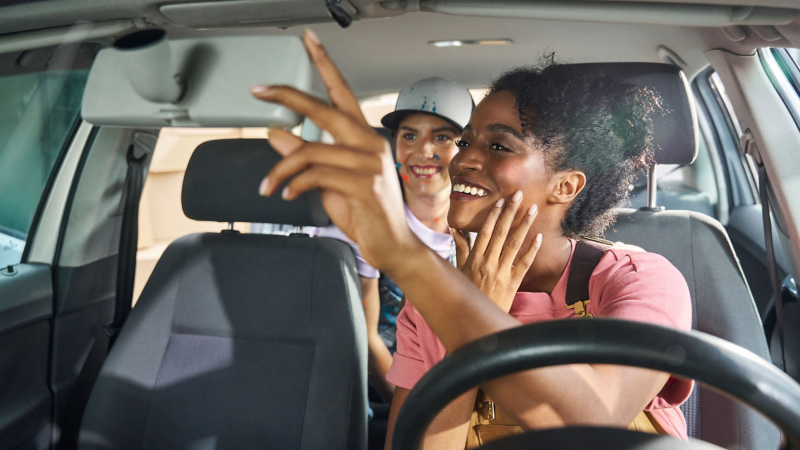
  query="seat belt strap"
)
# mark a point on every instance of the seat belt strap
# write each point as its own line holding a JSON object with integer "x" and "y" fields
{"x": 772, "y": 264}
{"x": 128, "y": 241}
{"x": 587, "y": 255}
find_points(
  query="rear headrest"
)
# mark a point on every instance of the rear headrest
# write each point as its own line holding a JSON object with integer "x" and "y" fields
{"x": 222, "y": 180}
{"x": 675, "y": 133}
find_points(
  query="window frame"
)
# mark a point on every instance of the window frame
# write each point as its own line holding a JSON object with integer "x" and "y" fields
{"x": 742, "y": 188}
{"x": 48, "y": 187}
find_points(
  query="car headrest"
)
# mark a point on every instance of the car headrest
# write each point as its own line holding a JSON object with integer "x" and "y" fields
{"x": 674, "y": 133}
{"x": 222, "y": 180}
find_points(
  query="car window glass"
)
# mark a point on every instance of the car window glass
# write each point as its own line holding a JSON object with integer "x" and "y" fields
{"x": 790, "y": 62}
{"x": 37, "y": 114}
{"x": 781, "y": 66}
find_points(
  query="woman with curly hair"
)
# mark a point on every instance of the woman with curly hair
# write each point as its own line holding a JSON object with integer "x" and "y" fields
{"x": 544, "y": 159}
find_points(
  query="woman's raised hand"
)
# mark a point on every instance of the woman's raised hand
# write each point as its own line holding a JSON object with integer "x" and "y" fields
{"x": 356, "y": 176}
{"x": 497, "y": 262}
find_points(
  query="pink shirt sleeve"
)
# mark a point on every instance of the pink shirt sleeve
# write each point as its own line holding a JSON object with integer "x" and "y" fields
{"x": 408, "y": 365}
{"x": 641, "y": 286}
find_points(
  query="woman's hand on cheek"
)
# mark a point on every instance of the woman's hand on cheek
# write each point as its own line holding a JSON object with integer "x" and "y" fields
{"x": 355, "y": 176}
{"x": 490, "y": 264}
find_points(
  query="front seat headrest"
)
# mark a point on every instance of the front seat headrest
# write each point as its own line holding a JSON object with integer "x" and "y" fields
{"x": 675, "y": 132}
{"x": 222, "y": 180}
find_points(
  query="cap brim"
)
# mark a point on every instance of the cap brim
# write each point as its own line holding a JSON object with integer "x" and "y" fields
{"x": 393, "y": 119}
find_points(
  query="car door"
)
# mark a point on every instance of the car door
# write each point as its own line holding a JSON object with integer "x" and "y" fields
{"x": 41, "y": 140}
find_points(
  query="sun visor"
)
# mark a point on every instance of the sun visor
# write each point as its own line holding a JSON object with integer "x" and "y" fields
{"x": 146, "y": 80}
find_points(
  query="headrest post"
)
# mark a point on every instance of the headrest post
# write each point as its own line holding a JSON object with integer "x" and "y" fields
{"x": 652, "y": 186}
{"x": 230, "y": 226}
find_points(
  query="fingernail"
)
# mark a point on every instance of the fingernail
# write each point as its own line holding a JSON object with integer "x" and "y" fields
{"x": 500, "y": 203}
{"x": 285, "y": 193}
{"x": 539, "y": 238}
{"x": 313, "y": 36}
{"x": 517, "y": 196}
{"x": 261, "y": 90}
{"x": 262, "y": 190}
{"x": 532, "y": 210}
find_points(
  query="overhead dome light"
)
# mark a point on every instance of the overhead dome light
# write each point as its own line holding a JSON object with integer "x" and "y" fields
{"x": 459, "y": 43}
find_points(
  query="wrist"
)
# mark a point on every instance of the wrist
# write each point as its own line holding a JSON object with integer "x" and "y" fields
{"x": 409, "y": 257}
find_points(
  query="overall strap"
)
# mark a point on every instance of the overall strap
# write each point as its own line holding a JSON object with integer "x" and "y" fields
{"x": 587, "y": 255}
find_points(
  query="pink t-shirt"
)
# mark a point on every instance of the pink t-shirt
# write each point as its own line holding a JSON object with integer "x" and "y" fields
{"x": 628, "y": 283}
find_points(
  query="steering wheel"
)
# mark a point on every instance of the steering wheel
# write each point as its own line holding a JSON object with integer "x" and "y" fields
{"x": 714, "y": 362}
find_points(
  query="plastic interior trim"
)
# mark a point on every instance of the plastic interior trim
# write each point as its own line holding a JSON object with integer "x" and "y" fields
{"x": 687, "y": 15}
{"x": 45, "y": 240}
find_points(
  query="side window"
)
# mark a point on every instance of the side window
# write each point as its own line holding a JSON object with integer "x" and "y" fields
{"x": 720, "y": 129}
{"x": 784, "y": 61}
{"x": 37, "y": 114}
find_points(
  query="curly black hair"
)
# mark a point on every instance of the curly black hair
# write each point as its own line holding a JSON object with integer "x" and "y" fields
{"x": 596, "y": 123}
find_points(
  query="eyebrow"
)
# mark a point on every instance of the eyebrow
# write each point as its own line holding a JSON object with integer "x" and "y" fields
{"x": 499, "y": 127}
{"x": 406, "y": 127}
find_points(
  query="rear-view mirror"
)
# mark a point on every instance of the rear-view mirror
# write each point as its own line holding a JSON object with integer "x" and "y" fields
{"x": 146, "y": 80}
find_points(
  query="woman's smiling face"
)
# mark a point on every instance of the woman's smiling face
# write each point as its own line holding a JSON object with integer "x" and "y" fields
{"x": 425, "y": 146}
{"x": 493, "y": 162}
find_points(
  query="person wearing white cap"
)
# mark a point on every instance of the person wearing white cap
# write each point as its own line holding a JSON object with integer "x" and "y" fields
{"x": 428, "y": 118}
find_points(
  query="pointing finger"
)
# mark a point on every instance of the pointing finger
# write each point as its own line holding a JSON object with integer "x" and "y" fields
{"x": 315, "y": 154}
{"x": 341, "y": 126}
{"x": 339, "y": 92}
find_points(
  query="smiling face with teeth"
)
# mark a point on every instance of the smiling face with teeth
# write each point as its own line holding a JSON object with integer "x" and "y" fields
{"x": 425, "y": 146}
{"x": 495, "y": 160}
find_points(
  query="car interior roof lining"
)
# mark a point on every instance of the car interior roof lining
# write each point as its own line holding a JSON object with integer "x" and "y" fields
{"x": 402, "y": 44}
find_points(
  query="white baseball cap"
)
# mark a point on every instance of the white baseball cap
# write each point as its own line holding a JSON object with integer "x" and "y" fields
{"x": 435, "y": 96}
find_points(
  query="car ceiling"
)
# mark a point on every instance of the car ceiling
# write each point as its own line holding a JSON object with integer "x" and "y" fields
{"x": 386, "y": 50}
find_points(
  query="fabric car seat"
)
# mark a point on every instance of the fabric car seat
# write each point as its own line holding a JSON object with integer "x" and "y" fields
{"x": 238, "y": 340}
{"x": 699, "y": 247}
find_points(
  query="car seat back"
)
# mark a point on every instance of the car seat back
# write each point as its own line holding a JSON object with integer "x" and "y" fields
{"x": 698, "y": 246}
{"x": 238, "y": 340}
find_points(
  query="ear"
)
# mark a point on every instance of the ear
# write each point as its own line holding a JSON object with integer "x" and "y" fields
{"x": 566, "y": 186}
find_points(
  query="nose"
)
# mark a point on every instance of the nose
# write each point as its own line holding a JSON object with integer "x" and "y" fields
{"x": 428, "y": 149}
{"x": 467, "y": 159}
